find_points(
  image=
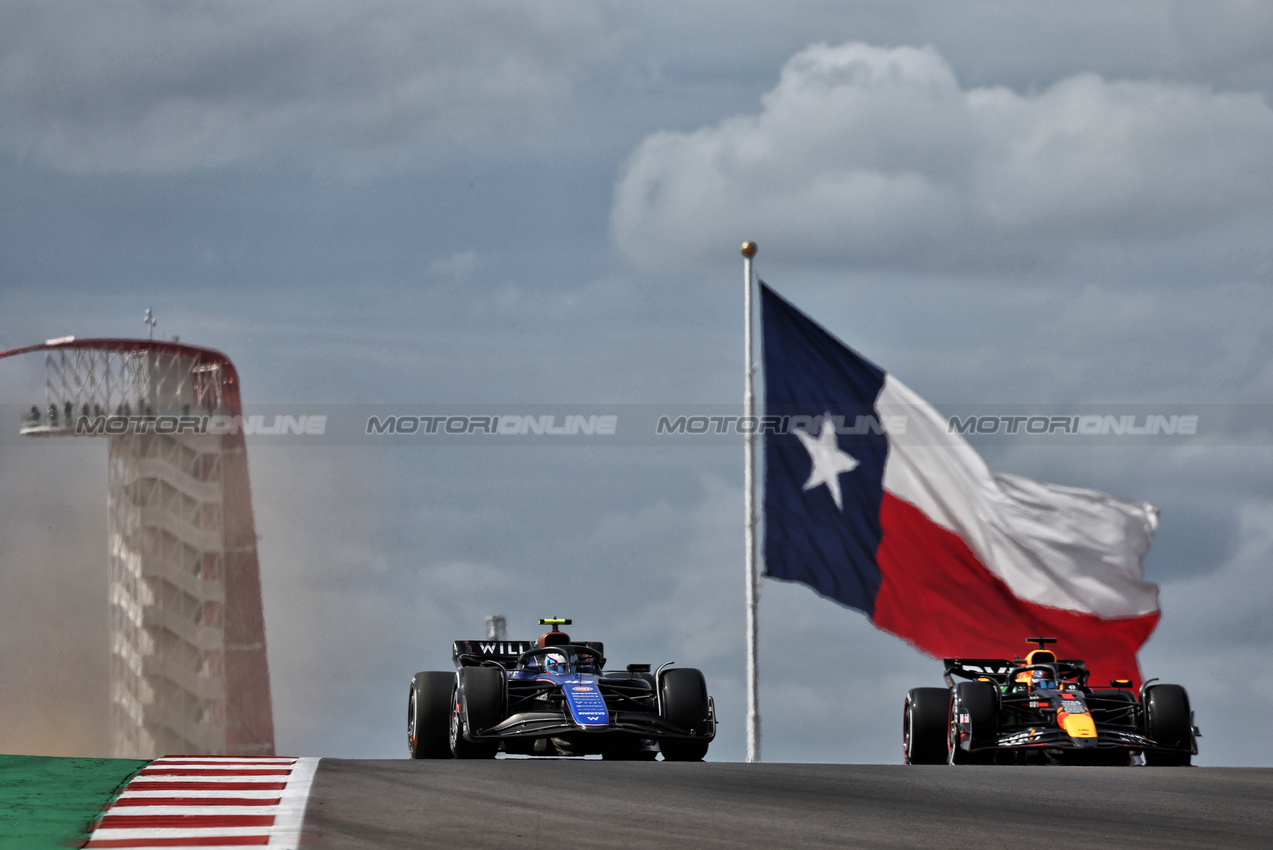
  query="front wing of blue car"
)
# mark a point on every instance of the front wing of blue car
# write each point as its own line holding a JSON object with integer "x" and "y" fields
{"x": 547, "y": 724}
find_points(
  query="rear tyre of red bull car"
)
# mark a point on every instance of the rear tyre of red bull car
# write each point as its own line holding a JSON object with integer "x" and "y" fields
{"x": 1168, "y": 723}
{"x": 428, "y": 714}
{"x": 973, "y": 722}
{"x": 924, "y": 720}
{"x": 684, "y": 702}
{"x": 477, "y": 703}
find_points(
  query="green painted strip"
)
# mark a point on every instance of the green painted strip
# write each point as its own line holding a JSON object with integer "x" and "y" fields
{"x": 50, "y": 803}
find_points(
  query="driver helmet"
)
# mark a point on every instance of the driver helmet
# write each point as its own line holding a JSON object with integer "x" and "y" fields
{"x": 1043, "y": 681}
{"x": 555, "y": 663}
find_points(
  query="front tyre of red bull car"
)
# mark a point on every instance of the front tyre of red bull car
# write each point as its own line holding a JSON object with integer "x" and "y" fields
{"x": 1169, "y": 725}
{"x": 973, "y": 723}
{"x": 925, "y": 719}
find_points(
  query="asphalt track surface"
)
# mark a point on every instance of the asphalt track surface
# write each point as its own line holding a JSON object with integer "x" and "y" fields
{"x": 577, "y": 803}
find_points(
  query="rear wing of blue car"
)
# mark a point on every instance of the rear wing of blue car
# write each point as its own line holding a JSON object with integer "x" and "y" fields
{"x": 505, "y": 652}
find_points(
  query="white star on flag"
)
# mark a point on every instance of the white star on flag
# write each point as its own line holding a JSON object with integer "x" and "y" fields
{"x": 828, "y": 460}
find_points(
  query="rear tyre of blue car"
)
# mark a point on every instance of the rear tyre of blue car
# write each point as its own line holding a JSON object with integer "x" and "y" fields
{"x": 1168, "y": 723}
{"x": 484, "y": 699}
{"x": 684, "y": 703}
{"x": 428, "y": 713}
{"x": 924, "y": 716}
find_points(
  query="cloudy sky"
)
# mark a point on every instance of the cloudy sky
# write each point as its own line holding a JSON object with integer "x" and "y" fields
{"x": 500, "y": 203}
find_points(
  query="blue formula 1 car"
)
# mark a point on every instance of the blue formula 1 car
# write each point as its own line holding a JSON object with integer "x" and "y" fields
{"x": 553, "y": 698}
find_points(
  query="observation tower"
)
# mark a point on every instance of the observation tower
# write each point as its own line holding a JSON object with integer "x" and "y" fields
{"x": 187, "y": 633}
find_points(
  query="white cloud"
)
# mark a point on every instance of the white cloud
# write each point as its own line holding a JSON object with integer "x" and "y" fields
{"x": 878, "y": 157}
{"x": 141, "y": 87}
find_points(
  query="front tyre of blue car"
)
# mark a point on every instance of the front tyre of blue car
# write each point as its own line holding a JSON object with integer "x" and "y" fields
{"x": 683, "y": 699}
{"x": 462, "y": 748}
{"x": 684, "y": 703}
{"x": 428, "y": 713}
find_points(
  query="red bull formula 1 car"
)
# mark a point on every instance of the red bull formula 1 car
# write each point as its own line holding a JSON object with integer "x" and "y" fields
{"x": 1042, "y": 710}
{"x": 553, "y": 698}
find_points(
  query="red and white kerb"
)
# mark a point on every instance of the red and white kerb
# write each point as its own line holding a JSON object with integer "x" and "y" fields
{"x": 208, "y": 802}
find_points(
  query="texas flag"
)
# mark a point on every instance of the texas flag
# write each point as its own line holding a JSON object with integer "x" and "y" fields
{"x": 873, "y": 501}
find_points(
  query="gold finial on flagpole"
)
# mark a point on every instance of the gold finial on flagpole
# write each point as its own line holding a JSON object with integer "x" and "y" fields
{"x": 749, "y": 249}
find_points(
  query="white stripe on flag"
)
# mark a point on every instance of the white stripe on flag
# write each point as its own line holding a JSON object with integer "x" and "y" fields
{"x": 1062, "y": 547}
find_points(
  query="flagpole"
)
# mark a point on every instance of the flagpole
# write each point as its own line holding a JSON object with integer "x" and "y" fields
{"x": 749, "y": 511}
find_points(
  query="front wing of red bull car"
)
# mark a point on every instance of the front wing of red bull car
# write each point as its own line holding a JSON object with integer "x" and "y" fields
{"x": 553, "y": 697}
{"x": 1041, "y": 711}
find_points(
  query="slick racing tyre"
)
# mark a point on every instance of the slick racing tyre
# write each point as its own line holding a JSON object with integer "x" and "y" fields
{"x": 483, "y": 696}
{"x": 428, "y": 713}
{"x": 977, "y": 701}
{"x": 683, "y": 696}
{"x": 1168, "y": 724}
{"x": 924, "y": 718}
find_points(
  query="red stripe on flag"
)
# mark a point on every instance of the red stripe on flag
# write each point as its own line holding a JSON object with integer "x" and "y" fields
{"x": 195, "y": 841}
{"x": 936, "y": 594}
{"x": 140, "y": 785}
{"x": 196, "y": 801}
{"x": 110, "y": 821}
